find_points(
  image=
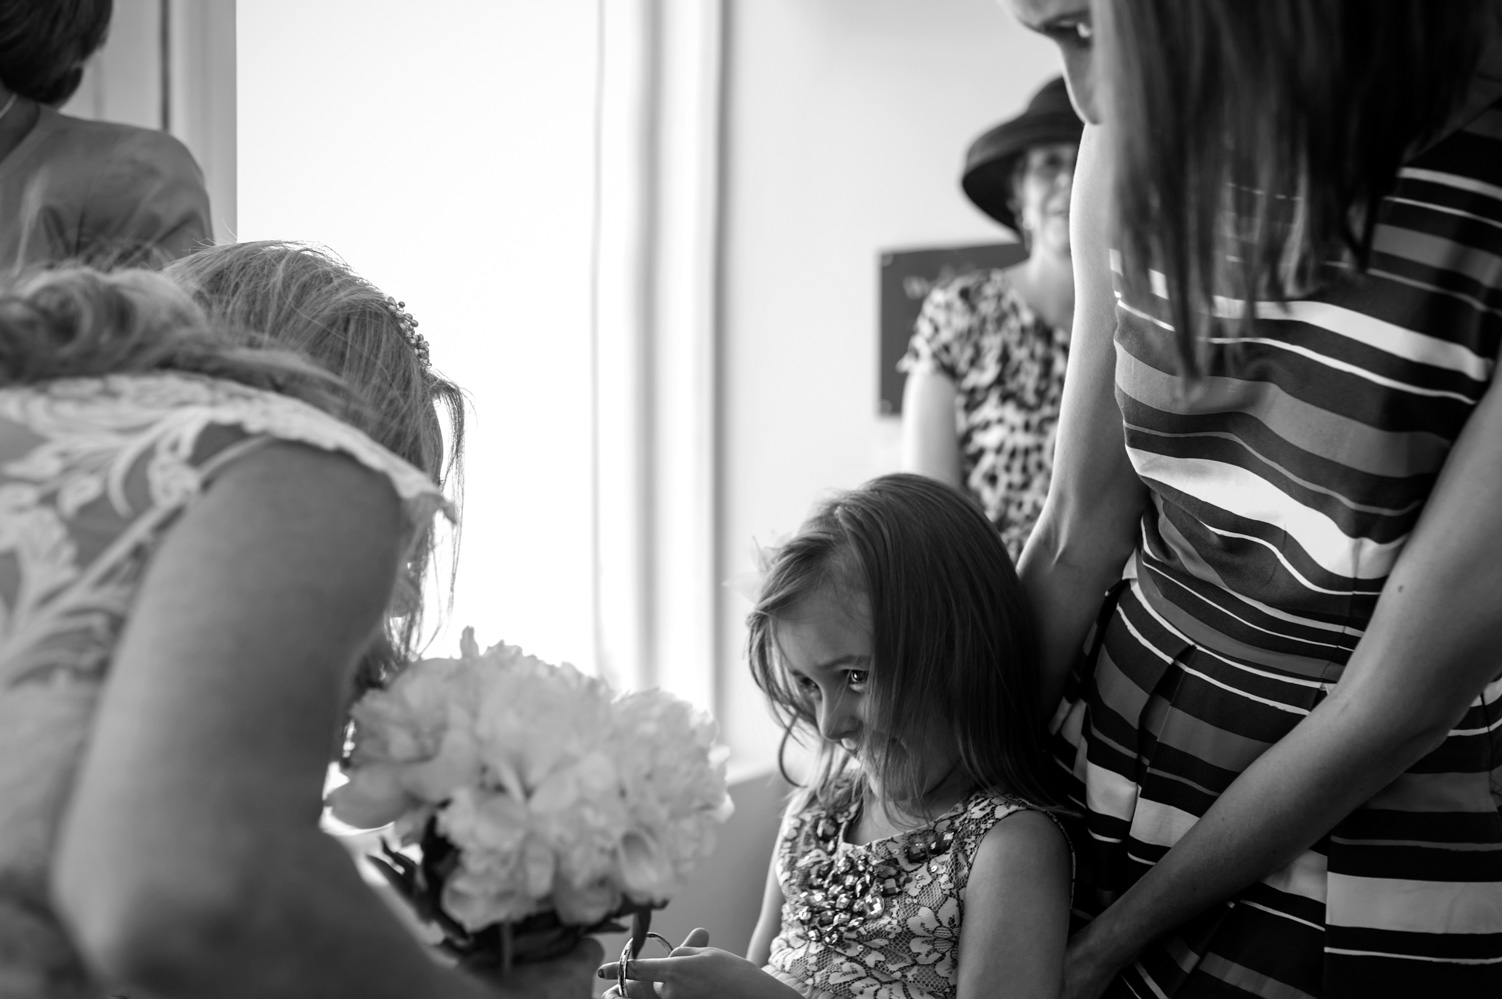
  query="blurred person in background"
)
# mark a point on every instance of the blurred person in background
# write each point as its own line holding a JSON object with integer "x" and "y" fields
{"x": 76, "y": 189}
{"x": 985, "y": 367}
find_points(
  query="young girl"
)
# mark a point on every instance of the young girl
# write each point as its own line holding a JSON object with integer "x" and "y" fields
{"x": 920, "y": 861}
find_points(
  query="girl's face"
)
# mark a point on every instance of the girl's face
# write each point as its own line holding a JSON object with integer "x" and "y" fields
{"x": 1042, "y": 196}
{"x": 825, "y": 645}
{"x": 1067, "y": 23}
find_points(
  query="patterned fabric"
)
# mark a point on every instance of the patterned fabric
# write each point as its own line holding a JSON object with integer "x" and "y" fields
{"x": 1007, "y": 366}
{"x": 92, "y": 473}
{"x": 880, "y": 920}
{"x": 1282, "y": 496}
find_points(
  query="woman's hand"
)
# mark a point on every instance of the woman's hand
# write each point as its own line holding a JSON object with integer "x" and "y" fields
{"x": 571, "y": 976}
{"x": 698, "y": 971}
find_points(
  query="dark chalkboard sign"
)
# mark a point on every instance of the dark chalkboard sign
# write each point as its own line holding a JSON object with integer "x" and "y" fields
{"x": 907, "y": 276}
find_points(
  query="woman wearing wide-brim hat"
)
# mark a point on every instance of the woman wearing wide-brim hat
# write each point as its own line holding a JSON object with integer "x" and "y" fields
{"x": 985, "y": 368}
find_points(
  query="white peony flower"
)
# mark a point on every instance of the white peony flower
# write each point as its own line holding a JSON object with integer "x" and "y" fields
{"x": 505, "y": 870}
{"x": 555, "y": 793}
{"x": 584, "y": 904}
{"x": 674, "y": 784}
{"x": 414, "y": 746}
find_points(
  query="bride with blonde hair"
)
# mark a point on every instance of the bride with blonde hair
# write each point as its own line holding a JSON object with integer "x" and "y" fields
{"x": 216, "y": 514}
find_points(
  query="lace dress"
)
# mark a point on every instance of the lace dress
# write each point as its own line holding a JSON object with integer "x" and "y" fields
{"x": 880, "y": 920}
{"x": 93, "y": 472}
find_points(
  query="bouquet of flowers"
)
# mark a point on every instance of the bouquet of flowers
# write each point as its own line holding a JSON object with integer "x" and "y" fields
{"x": 543, "y": 804}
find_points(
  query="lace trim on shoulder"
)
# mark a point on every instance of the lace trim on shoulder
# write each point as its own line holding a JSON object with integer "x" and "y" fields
{"x": 987, "y": 808}
{"x": 189, "y": 404}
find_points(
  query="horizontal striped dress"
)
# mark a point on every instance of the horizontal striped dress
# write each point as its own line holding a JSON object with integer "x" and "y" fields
{"x": 1281, "y": 497}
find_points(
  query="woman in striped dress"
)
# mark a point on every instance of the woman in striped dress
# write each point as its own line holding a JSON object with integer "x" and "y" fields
{"x": 1284, "y": 740}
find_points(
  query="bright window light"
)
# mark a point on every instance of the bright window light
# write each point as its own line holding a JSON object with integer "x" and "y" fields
{"x": 445, "y": 150}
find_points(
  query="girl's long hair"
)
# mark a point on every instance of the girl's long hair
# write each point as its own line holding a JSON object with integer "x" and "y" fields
{"x": 953, "y": 645}
{"x": 1252, "y": 141}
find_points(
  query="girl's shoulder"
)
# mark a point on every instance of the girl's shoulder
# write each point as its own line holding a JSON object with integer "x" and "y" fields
{"x": 985, "y": 808}
{"x": 1031, "y": 830}
{"x": 988, "y": 805}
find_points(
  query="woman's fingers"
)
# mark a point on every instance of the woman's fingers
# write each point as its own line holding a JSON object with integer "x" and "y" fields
{"x": 650, "y": 969}
{"x": 646, "y": 969}
{"x": 634, "y": 990}
{"x": 697, "y": 937}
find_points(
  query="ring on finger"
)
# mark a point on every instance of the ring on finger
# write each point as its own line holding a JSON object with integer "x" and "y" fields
{"x": 623, "y": 968}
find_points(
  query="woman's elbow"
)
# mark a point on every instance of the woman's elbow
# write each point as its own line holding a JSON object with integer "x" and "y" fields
{"x": 1072, "y": 533}
{"x": 1392, "y": 732}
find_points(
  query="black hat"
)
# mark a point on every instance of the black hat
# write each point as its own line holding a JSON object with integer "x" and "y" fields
{"x": 987, "y": 179}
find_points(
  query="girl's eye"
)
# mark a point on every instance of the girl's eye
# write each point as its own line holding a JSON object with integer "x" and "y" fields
{"x": 806, "y": 685}
{"x": 857, "y": 677}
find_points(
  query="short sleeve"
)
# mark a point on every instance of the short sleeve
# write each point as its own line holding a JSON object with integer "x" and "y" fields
{"x": 276, "y": 418}
{"x": 147, "y": 203}
{"x": 947, "y": 328}
{"x": 985, "y": 810}
{"x": 199, "y": 426}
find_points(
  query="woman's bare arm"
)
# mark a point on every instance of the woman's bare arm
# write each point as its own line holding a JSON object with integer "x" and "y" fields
{"x": 930, "y": 441}
{"x": 190, "y": 862}
{"x": 1088, "y": 526}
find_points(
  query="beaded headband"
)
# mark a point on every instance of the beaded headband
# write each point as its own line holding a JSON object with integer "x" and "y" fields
{"x": 404, "y": 319}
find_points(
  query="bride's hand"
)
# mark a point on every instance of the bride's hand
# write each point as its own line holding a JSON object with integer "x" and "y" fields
{"x": 571, "y": 976}
{"x": 697, "y": 971}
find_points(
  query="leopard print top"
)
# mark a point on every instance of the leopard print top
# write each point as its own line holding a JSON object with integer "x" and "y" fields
{"x": 1007, "y": 365}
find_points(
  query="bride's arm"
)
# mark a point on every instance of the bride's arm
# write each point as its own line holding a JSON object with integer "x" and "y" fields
{"x": 1088, "y": 526}
{"x": 190, "y": 862}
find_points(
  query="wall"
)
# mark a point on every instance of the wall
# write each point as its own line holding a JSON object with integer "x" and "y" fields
{"x": 845, "y": 125}
{"x": 123, "y": 80}
{"x": 446, "y": 152}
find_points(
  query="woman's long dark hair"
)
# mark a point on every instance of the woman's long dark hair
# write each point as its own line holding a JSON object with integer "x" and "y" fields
{"x": 953, "y": 645}
{"x": 1252, "y": 139}
{"x": 44, "y": 44}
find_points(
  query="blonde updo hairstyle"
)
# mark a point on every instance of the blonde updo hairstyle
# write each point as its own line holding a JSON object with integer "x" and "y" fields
{"x": 302, "y": 298}
{"x": 281, "y": 317}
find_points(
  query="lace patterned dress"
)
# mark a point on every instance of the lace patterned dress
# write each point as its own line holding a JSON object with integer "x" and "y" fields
{"x": 880, "y": 920}
{"x": 93, "y": 473}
